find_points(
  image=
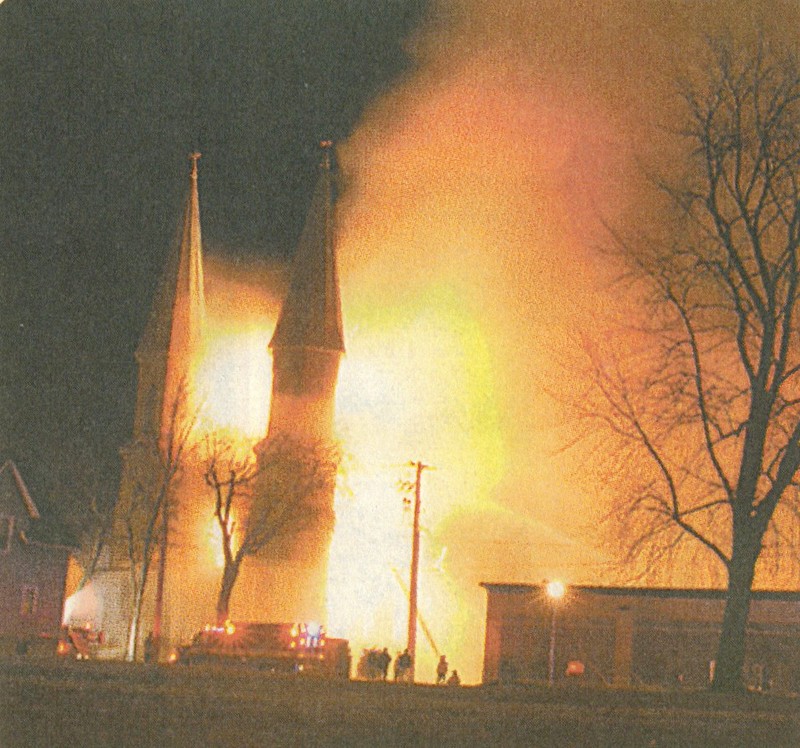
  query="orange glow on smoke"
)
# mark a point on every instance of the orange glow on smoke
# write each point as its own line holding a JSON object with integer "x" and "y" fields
{"x": 213, "y": 541}
{"x": 420, "y": 381}
{"x": 233, "y": 378}
{"x": 416, "y": 384}
{"x": 234, "y": 374}
{"x": 463, "y": 257}
{"x": 473, "y": 191}
{"x": 231, "y": 381}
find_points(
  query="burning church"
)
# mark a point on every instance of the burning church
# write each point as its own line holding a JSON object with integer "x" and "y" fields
{"x": 159, "y": 568}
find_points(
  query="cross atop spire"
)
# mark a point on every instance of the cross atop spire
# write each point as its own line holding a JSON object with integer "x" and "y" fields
{"x": 327, "y": 146}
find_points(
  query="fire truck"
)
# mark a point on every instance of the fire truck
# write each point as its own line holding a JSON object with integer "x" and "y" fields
{"x": 298, "y": 648}
{"x": 78, "y": 642}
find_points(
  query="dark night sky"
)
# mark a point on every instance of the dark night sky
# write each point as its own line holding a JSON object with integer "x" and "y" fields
{"x": 101, "y": 102}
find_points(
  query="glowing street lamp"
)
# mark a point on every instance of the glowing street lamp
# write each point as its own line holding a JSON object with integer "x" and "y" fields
{"x": 555, "y": 591}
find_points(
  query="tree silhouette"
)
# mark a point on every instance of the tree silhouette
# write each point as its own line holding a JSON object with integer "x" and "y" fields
{"x": 712, "y": 402}
{"x": 255, "y": 505}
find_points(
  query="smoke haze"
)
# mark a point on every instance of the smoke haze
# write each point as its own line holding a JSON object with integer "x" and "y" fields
{"x": 476, "y": 192}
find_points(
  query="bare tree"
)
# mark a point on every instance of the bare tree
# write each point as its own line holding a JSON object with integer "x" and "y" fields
{"x": 255, "y": 505}
{"x": 86, "y": 494}
{"x": 96, "y": 524}
{"x": 712, "y": 401}
{"x": 147, "y": 513}
{"x": 229, "y": 472}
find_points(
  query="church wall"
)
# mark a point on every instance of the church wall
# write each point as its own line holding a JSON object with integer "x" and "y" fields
{"x": 304, "y": 392}
{"x": 289, "y": 581}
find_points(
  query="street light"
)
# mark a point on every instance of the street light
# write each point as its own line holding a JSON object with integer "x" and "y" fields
{"x": 555, "y": 591}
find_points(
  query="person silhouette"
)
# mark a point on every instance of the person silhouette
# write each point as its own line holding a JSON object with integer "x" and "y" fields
{"x": 441, "y": 670}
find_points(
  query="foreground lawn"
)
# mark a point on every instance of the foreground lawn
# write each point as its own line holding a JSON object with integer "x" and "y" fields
{"x": 89, "y": 704}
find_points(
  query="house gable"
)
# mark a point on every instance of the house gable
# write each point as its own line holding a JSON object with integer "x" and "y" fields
{"x": 33, "y": 564}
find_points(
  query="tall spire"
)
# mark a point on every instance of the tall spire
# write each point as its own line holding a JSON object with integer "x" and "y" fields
{"x": 306, "y": 348}
{"x": 190, "y": 269}
{"x": 311, "y": 316}
{"x": 178, "y": 309}
{"x": 174, "y": 330}
{"x": 165, "y": 402}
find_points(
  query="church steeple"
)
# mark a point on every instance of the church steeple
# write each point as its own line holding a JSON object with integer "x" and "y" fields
{"x": 308, "y": 342}
{"x": 174, "y": 330}
{"x": 179, "y": 307}
{"x": 306, "y": 348}
{"x": 311, "y": 316}
{"x": 166, "y": 404}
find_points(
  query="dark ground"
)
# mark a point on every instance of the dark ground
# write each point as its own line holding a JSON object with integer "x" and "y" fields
{"x": 91, "y": 704}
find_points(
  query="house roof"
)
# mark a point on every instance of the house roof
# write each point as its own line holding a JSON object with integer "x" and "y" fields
{"x": 16, "y": 500}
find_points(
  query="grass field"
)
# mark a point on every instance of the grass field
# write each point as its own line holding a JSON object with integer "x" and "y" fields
{"x": 88, "y": 704}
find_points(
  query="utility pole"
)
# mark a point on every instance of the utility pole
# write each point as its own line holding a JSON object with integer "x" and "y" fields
{"x": 412, "y": 587}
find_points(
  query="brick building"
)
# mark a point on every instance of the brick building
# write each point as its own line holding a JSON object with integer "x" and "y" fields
{"x": 33, "y": 567}
{"x": 633, "y": 636}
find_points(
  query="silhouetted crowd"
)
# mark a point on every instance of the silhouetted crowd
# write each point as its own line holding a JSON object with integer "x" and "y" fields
{"x": 374, "y": 665}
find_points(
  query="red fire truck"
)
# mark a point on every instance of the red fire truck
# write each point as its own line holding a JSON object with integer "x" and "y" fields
{"x": 277, "y": 647}
{"x": 78, "y": 642}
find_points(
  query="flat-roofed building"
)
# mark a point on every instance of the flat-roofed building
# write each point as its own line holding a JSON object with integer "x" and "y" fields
{"x": 636, "y": 636}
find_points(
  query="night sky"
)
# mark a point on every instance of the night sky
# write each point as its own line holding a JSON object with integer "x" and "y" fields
{"x": 101, "y": 103}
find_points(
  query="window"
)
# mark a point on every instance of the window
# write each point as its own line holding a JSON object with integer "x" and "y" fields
{"x": 30, "y": 596}
{"x": 6, "y": 532}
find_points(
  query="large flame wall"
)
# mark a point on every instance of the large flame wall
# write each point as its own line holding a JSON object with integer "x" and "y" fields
{"x": 419, "y": 382}
{"x": 474, "y": 195}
